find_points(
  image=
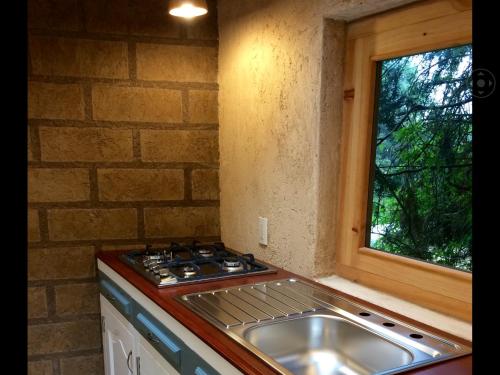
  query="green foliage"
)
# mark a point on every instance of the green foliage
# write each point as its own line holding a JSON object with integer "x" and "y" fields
{"x": 422, "y": 185}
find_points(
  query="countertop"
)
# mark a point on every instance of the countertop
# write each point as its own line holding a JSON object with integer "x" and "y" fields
{"x": 236, "y": 354}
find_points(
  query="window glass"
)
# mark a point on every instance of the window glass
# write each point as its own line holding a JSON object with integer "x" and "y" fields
{"x": 420, "y": 201}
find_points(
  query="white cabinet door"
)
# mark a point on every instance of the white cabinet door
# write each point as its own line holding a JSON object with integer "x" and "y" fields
{"x": 150, "y": 361}
{"x": 118, "y": 341}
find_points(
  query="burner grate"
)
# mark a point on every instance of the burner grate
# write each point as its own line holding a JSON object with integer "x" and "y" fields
{"x": 191, "y": 262}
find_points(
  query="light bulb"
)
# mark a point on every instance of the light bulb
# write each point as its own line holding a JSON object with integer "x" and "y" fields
{"x": 187, "y": 8}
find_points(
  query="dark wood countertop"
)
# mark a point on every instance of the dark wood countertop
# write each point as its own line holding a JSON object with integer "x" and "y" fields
{"x": 237, "y": 355}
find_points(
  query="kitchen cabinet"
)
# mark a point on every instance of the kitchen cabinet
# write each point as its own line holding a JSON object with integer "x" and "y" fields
{"x": 126, "y": 351}
{"x": 118, "y": 341}
{"x": 149, "y": 361}
{"x": 161, "y": 343}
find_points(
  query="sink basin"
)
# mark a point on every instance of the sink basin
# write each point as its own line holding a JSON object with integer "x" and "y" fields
{"x": 326, "y": 345}
{"x": 300, "y": 329}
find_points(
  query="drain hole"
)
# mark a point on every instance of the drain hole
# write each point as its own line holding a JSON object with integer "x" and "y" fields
{"x": 364, "y": 314}
{"x": 416, "y": 336}
{"x": 388, "y": 324}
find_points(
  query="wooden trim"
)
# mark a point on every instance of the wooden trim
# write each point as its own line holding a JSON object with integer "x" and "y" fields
{"x": 449, "y": 272}
{"x": 411, "y": 293}
{"x": 419, "y": 27}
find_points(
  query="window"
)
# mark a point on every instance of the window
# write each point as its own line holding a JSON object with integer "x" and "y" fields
{"x": 405, "y": 174}
{"x": 421, "y": 173}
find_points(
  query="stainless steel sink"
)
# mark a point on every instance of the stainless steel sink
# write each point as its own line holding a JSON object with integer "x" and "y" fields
{"x": 324, "y": 345}
{"x": 301, "y": 329}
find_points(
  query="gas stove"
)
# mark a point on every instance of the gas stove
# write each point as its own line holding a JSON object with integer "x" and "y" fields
{"x": 191, "y": 263}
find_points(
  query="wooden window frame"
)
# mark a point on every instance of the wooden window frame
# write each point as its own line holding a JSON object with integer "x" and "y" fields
{"x": 416, "y": 28}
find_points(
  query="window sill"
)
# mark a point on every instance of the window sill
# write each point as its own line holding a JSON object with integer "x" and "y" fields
{"x": 453, "y": 326}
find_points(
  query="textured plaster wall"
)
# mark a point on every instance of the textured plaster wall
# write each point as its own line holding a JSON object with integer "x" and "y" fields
{"x": 280, "y": 98}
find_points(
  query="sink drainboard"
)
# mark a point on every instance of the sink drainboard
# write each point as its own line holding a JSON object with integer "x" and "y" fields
{"x": 301, "y": 329}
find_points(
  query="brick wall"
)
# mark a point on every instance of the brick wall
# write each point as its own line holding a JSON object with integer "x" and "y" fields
{"x": 122, "y": 150}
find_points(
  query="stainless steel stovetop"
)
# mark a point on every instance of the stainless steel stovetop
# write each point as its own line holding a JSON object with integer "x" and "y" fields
{"x": 192, "y": 263}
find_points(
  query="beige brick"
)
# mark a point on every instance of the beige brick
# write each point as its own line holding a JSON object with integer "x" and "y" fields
{"x": 150, "y": 17}
{"x": 108, "y": 16}
{"x": 161, "y": 62}
{"x": 204, "y": 27}
{"x": 37, "y": 302}
{"x": 86, "y": 365}
{"x": 140, "y": 184}
{"x": 33, "y": 226}
{"x": 61, "y": 263}
{"x": 30, "y": 150}
{"x": 182, "y": 221}
{"x": 111, "y": 103}
{"x": 203, "y": 106}
{"x": 205, "y": 184}
{"x": 85, "y": 144}
{"x": 92, "y": 224}
{"x": 54, "y": 14}
{"x": 64, "y": 337}
{"x": 74, "y": 299}
{"x": 180, "y": 145}
{"x": 58, "y": 185}
{"x": 40, "y": 368}
{"x": 55, "y": 101}
{"x": 78, "y": 57}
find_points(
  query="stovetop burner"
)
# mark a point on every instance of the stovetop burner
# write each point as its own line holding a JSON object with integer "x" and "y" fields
{"x": 193, "y": 262}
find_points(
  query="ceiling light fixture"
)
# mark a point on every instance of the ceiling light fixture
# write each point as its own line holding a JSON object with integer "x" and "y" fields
{"x": 187, "y": 8}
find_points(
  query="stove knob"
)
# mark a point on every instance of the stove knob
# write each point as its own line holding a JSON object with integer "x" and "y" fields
{"x": 163, "y": 272}
{"x": 154, "y": 268}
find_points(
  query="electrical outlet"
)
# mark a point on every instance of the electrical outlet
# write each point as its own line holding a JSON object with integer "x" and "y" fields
{"x": 263, "y": 230}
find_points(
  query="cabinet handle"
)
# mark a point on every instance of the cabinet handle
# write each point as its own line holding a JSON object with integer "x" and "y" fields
{"x": 152, "y": 338}
{"x": 128, "y": 360}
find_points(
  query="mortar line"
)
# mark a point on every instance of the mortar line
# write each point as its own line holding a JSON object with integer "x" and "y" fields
{"x": 124, "y": 37}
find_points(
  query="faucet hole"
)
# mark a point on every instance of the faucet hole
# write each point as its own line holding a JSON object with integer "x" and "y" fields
{"x": 416, "y": 336}
{"x": 364, "y": 314}
{"x": 387, "y": 324}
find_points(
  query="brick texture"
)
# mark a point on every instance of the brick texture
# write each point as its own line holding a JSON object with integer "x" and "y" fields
{"x": 182, "y": 221}
{"x": 122, "y": 151}
{"x": 141, "y": 184}
{"x": 150, "y": 18}
{"x": 64, "y": 337}
{"x": 108, "y": 16}
{"x": 89, "y": 224}
{"x": 205, "y": 184}
{"x": 33, "y": 226}
{"x": 37, "y": 303}
{"x": 203, "y": 106}
{"x": 58, "y": 185}
{"x": 85, "y": 144}
{"x": 55, "y": 101}
{"x": 54, "y": 14}
{"x": 136, "y": 104}
{"x": 78, "y": 57}
{"x": 40, "y": 368}
{"x": 61, "y": 263}
{"x": 77, "y": 299}
{"x": 85, "y": 365}
{"x": 159, "y": 62}
{"x": 180, "y": 146}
